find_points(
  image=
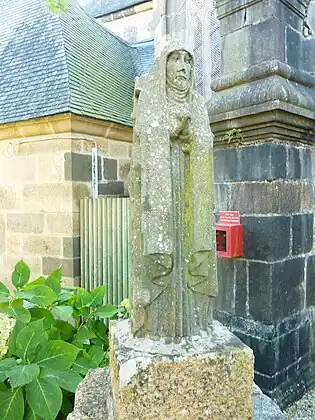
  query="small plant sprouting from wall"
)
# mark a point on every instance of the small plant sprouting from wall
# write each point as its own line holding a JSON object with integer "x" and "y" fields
{"x": 234, "y": 136}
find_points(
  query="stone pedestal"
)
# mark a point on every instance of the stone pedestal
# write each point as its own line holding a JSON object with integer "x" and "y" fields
{"x": 210, "y": 376}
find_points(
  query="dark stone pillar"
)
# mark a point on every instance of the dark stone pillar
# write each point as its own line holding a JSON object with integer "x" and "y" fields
{"x": 263, "y": 115}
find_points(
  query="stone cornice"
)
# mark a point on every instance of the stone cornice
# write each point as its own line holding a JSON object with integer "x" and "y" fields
{"x": 274, "y": 89}
{"x": 270, "y": 121}
{"x": 262, "y": 70}
{"x": 65, "y": 123}
{"x": 228, "y": 7}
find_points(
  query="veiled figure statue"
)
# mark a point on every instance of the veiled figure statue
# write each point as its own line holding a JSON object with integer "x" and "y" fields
{"x": 173, "y": 270}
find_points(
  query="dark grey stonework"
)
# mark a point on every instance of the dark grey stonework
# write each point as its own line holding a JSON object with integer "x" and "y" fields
{"x": 112, "y": 188}
{"x": 281, "y": 353}
{"x": 71, "y": 247}
{"x": 110, "y": 168}
{"x": 70, "y": 266}
{"x": 310, "y": 281}
{"x": 225, "y": 270}
{"x": 267, "y": 238}
{"x": 78, "y": 167}
{"x": 264, "y": 169}
{"x": 302, "y": 231}
{"x": 240, "y": 268}
{"x": 299, "y": 163}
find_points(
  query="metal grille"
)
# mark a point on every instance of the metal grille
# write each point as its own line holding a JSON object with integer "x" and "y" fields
{"x": 105, "y": 246}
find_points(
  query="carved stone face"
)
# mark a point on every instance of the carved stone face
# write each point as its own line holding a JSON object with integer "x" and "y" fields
{"x": 179, "y": 69}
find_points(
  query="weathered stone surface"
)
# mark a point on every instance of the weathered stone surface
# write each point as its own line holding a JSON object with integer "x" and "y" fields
{"x": 124, "y": 169}
{"x": 47, "y": 198}
{"x": 25, "y": 223}
{"x": 110, "y": 168}
{"x": 236, "y": 164}
{"x": 118, "y": 149}
{"x": 50, "y": 167}
{"x": 172, "y": 203}
{"x": 2, "y": 232}
{"x": 71, "y": 247}
{"x": 70, "y": 266}
{"x": 275, "y": 290}
{"x": 24, "y": 170}
{"x": 284, "y": 197}
{"x": 203, "y": 376}
{"x": 265, "y": 408}
{"x": 43, "y": 245}
{"x": 302, "y": 231}
{"x": 299, "y": 163}
{"x": 310, "y": 276}
{"x": 78, "y": 167}
{"x": 93, "y": 400}
{"x": 8, "y": 198}
{"x": 66, "y": 223}
{"x": 267, "y": 238}
{"x": 111, "y": 188}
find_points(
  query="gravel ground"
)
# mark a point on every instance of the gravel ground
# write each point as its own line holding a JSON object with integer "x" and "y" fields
{"x": 304, "y": 409}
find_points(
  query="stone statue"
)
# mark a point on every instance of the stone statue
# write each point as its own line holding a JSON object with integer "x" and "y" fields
{"x": 173, "y": 271}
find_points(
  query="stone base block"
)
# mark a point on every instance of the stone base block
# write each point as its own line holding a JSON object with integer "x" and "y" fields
{"x": 209, "y": 376}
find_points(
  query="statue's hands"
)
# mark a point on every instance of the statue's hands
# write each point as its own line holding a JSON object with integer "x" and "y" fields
{"x": 179, "y": 126}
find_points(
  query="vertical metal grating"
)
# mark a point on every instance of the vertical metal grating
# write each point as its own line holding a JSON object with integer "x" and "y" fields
{"x": 105, "y": 246}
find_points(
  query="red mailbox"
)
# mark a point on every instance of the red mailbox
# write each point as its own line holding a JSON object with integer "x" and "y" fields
{"x": 229, "y": 235}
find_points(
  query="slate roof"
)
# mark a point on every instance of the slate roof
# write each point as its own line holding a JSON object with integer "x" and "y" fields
{"x": 51, "y": 64}
{"x": 145, "y": 56}
{"x": 98, "y": 8}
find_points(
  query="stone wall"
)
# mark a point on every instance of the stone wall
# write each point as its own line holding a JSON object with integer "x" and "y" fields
{"x": 46, "y": 168}
{"x": 262, "y": 115}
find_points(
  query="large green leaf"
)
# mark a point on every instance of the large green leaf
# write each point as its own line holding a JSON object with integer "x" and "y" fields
{"x": 29, "y": 338}
{"x": 106, "y": 311}
{"x": 21, "y": 274}
{"x": 84, "y": 363}
{"x": 97, "y": 296}
{"x": 54, "y": 280}
{"x": 83, "y": 336}
{"x": 12, "y": 339}
{"x": 30, "y": 414}
{"x": 12, "y": 404}
{"x": 57, "y": 354}
{"x": 44, "y": 397}
{"x": 44, "y": 314}
{"x": 17, "y": 311}
{"x": 64, "y": 295}
{"x": 67, "y": 379}
{"x": 41, "y": 295}
{"x": 4, "y": 307}
{"x": 5, "y": 366}
{"x": 4, "y": 293}
{"x": 38, "y": 282}
{"x": 83, "y": 298}
{"x": 23, "y": 374}
{"x": 99, "y": 328}
{"x": 66, "y": 330}
{"x": 62, "y": 312}
{"x": 3, "y": 387}
{"x": 97, "y": 354}
{"x": 53, "y": 334}
{"x": 67, "y": 403}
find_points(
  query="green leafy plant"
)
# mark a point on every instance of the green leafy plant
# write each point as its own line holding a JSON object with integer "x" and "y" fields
{"x": 57, "y": 6}
{"x": 51, "y": 337}
{"x": 234, "y": 135}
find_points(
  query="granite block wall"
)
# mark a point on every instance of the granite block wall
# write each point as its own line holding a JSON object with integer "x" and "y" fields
{"x": 262, "y": 116}
{"x": 46, "y": 168}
